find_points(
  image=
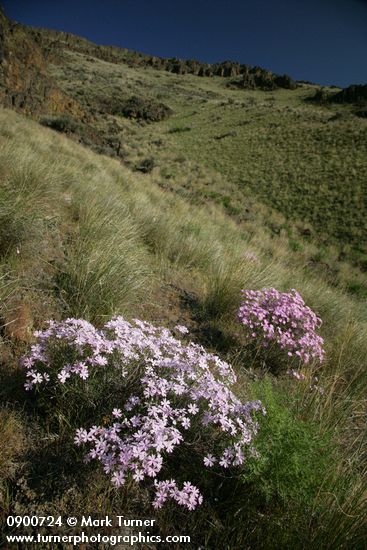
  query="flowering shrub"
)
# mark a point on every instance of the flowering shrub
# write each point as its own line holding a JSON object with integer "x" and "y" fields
{"x": 182, "y": 393}
{"x": 283, "y": 318}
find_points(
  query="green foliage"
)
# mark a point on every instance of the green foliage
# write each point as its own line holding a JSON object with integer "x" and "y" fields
{"x": 179, "y": 129}
{"x": 145, "y": 165}
{"x": 358, "y": 289}
{"x": 295, "y": 245}
{"x": 61, "y": 123}
{"x": 295, "y": 457}
{"x": 144, "y": 109}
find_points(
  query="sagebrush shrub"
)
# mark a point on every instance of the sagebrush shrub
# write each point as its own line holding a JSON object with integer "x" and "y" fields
{"x": 61, "y": 123}
{"x": 179, "y": 385}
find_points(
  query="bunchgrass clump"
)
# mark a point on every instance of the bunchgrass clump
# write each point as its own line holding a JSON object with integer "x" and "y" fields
{"x": 105, "y": 268}
{"x": 11, "y": 431}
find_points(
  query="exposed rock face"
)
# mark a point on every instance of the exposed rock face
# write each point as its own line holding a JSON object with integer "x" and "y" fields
{"x": 53, "y": 42}
{"x": 24, "y": 83}
{"x": 252, "y": 77}
{"x": 26, "y": 86}
{"x": 2, "y": 31}
{"x": 285, "y": 81}
{"x": 321, "y": 96}
{"x": 257, "y": 78}
{"x": 357, "y": 93}
{"x": 362, "y": 113}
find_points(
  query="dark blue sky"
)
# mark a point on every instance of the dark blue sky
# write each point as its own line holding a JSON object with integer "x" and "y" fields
{"x": 324, "y": 41}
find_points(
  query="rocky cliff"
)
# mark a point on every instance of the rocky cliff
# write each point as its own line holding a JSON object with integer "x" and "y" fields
{"x": 26, "y": 86}
{"x": 356, "y": 93}
{"x": 24, "y": 83}
{"x": 53, "y": 42}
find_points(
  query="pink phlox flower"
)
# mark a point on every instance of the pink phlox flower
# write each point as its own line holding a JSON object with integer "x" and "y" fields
{"x": 182, "y": 329}
{"x": 209, "y": 460}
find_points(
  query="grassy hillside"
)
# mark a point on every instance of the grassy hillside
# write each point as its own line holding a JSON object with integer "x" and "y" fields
{"x": 160, "y": 196}
{"x": 269, "y": 158}
{"x": 83, "y": 235}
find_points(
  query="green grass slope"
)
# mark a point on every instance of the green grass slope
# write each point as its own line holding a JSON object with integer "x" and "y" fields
{"x": 269, "y": 159}
{"x": 182, "y": 191}
{"x": 85, "y": 235}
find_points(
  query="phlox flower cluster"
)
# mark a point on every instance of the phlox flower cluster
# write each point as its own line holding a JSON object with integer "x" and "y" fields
{"x": 182, "y": 392}
{"x": 83, "y": 342}
{"x": 283, "y": 318}
{"x": 296, "y": 374}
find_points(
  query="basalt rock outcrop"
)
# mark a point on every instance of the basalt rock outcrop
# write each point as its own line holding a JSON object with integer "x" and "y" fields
{"x": 253, "y": 78}
{"x": 356, "y": 94}
{"x": 54, "y": 42}
{"x": 361, "y": 113}
{"x": 24, "y": 83}
{"x": 26, "y": 86}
